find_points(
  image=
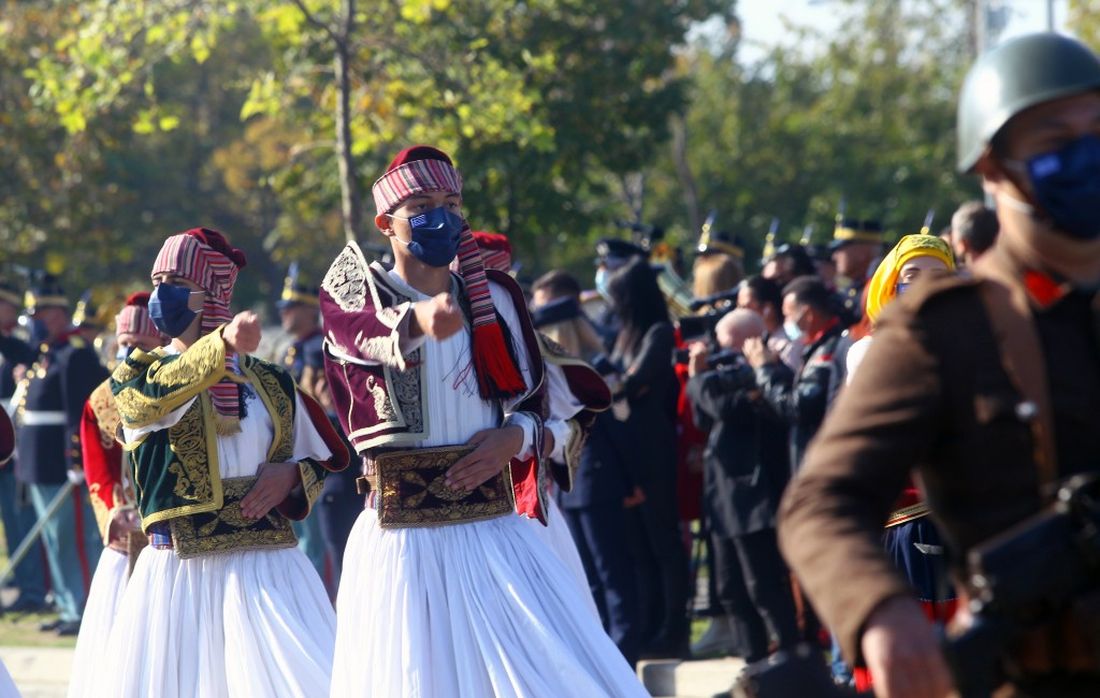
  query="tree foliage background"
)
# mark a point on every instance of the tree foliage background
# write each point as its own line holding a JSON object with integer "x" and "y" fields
{"x": 124, "y": 121}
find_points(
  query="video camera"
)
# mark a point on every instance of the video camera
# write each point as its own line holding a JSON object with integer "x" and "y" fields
{"x": 1017, "y": 580}
{"x": 725, "y": 357}
{"x": 715, "y": 300}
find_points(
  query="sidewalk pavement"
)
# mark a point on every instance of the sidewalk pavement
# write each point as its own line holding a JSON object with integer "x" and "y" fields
{"x": 691, "y": 679}
{"x": 43, "y": 672}
{"x": 39, "y": 672}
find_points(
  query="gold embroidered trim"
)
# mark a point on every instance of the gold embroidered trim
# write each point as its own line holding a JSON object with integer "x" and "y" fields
{"x": 313, "y": 485}
{"x": 412, "y": 491}
{"x": 574, "y": 446}
{"x": 102, "y": 402}
{"x": 228, "y": 530}
{"x": 279, "y": 405}
{"x": 208, "y": 432}
{"x": 192, "y": 469}
{"x": 135, "y": 364}
{"x": 176, "y": 378}
{"x": 203, "y": 363}
{"x": 906, "y": 514}
{"x": 100, "y": 509}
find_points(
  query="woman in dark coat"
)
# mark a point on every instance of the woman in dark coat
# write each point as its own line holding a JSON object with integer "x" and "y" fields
{"x": 644, "y": 350}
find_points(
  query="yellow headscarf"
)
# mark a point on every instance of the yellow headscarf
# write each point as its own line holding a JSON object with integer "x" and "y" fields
{"x": 883, "y": 285}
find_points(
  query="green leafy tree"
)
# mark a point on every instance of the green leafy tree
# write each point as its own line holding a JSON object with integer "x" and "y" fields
{"x": 1084, "y": 19}
{"x": 864, "y": 117}
{"x": 544, "y": 103}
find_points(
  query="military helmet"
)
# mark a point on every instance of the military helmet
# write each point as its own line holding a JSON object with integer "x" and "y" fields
{"x": 1016, "y": 75}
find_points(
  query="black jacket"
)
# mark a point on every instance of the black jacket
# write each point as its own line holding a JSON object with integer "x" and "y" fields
{"x": 13, "y": 352}
{"x": 603, "y": 476}
{"x": 651, "y": 390}
{"x": 802, "y": 399}
{"x": 746, "y": 463}
{"x": 60, "y": 381}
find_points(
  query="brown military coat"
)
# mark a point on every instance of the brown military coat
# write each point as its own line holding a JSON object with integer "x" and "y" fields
{"x": 933, "y": 397}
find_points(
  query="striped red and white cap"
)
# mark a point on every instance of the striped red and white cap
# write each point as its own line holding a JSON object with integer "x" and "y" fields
{"x": 415, "y": 170}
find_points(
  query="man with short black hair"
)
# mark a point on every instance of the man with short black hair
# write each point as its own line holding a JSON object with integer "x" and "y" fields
{"x": 803, "y": 397}
{"x": 554, "y": 284}
{"x": 974, "y": 229}
{"x": 765, "y": 297}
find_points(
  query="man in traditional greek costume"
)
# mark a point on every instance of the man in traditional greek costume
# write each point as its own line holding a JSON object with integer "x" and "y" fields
{"x": 224, "y": 451}
{"x": 440, "y": 385}
{"x": 112, "y": 500}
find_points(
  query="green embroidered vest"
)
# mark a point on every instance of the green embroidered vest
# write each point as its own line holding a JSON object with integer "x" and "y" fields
{"x": 175, "y": 470}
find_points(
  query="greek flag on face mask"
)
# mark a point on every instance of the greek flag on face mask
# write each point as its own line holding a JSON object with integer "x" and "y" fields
{"x": 417, "y": 221}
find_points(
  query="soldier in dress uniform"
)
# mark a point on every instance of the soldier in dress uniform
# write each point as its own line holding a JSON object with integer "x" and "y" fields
{"x": 15, "y": 507}
{"x": 855, "y": 248}
{"x": 53, "y": 392}
{"x": 299, "y": 312}
{"x": 719, "y": 263}
{"x": 86, "y": 318}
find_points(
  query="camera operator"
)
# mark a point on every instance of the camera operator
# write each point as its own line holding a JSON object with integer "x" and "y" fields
{"x": 744, "y": 475}
{"x": 802, "y": 397}
{"x": 766, "y": 298}
{"x": 989, "y": 388}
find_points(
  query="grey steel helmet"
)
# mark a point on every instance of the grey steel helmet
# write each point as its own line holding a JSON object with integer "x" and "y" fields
{"x": 1018, "y": 74}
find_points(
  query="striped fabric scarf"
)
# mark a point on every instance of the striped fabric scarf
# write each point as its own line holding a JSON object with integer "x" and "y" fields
{"x": 497, "y": 374}
{"x": 188, "y": 257}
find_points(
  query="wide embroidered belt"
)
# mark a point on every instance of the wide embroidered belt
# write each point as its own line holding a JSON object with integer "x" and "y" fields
{"x": 410, "y": 489}
{"x": 225, "y": 530}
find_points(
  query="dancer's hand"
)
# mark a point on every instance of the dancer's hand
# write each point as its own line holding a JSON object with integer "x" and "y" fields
{"x": 242, "y": 334}
{"x": 438, "y": 318}
{"x": 495, "y": 449}
{"x": 275, "y": 482}
{"x": 123, "y": 521}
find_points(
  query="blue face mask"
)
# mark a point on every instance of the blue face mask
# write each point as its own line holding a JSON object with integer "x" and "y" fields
{"x": 603, "y": 276}
{"x": 123, "y": 353}
{"x": 435, "y": 236}
{"x": 169, "y": 310}
{"x": 792, "y": 330}
{"x": 901, "y": 288}
{"x": 1067, "y": 186}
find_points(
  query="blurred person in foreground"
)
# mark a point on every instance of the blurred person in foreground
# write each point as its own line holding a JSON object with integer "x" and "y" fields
{"x": 991, "y": 424}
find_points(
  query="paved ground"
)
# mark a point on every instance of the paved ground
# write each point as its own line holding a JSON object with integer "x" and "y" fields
{"x": 39, "y": 672}
{"x": 43, "y": 672}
